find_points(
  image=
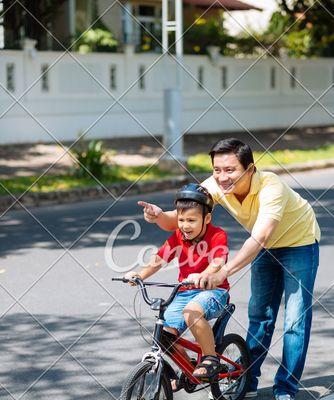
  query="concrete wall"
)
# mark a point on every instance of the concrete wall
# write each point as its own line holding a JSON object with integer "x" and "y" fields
{"x": 77, "y": 94}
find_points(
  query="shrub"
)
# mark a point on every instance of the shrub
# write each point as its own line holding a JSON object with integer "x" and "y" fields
{"x": 97, "y": 39}
{"x": 204, "y": 33}
{"x": 91, "y": 157}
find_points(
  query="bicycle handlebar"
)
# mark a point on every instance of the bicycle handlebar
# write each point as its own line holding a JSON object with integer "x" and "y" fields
{"x": 143, "y": 285}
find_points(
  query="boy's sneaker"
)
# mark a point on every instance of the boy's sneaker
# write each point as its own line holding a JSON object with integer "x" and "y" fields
{"x": 252, "y": 394}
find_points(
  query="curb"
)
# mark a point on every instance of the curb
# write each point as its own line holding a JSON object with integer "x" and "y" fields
{"x": 117, "y": 189}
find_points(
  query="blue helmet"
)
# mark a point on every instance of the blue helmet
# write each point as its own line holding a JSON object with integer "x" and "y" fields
{"x": 195, "y": 192}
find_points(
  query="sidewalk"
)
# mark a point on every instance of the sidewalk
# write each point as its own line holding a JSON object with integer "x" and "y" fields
{"x": 27, "y": 160}
{"x": 33, "y": 160}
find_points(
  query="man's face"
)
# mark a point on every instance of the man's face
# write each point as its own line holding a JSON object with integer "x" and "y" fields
{"x": 230, "y": 175}
{"x": 190, "y": 223}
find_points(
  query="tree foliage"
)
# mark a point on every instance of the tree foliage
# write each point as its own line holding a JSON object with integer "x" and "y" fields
{"x": 312, "y": 33}
{"x": 300, "y": 28}
{"x": 29, "y": 19}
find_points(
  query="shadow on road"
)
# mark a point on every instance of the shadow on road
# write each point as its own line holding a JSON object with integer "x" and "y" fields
{"x": 311, "y": 389}
{"x": 100, "y": 357}
{"x": 95, "y": 366}
{"x": 20, "y": 231}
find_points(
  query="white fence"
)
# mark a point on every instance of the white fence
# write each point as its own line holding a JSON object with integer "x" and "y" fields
{"x": 77, "y": 93}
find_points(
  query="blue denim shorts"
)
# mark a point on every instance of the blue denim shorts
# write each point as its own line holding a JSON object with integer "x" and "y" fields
{"x": 212, "y": 303}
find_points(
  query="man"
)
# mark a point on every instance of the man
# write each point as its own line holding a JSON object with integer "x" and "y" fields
{"x": 283, "y": 251}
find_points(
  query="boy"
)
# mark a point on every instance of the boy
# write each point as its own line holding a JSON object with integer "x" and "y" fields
{"x": 199, "y": 246}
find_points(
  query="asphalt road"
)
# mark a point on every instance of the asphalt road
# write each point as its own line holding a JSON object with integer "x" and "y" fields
{"x": 68, "y": 332}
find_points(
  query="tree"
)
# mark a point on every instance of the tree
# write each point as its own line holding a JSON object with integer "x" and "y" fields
{"x": 299, "y": 28}
{"x": 18, "y": 23}
{"x": 308, "y": 25}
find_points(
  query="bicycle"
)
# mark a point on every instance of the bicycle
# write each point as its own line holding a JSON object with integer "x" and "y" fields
{"x": 151, "y": 378}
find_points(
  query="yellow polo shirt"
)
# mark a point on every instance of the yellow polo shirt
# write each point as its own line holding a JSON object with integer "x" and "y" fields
{"x": 270, "y": 197}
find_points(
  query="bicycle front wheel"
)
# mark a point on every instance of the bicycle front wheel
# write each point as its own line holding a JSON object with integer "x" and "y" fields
{"x": 142, "y": 382}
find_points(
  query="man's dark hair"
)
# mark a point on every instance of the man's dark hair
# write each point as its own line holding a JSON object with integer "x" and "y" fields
{"x": 242, "y": 151}
{"x": 182, "y": 205}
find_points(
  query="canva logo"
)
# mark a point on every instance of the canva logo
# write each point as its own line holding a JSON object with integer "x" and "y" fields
{"x": 196, "y": 253}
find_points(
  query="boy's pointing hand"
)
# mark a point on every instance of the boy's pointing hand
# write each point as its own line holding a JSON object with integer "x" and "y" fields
{"x": 151, "y": 211}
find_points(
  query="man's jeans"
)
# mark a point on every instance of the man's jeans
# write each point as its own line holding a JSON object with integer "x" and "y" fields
{"x": 292, "y": 270}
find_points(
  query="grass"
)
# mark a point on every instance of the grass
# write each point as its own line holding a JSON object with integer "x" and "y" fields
{"x": 50, "y": 183}
{"x": 202, "y": 163}
{"x": 198, "y": 163}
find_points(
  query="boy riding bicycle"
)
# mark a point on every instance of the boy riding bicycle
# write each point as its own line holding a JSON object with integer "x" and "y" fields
{"x": 199, "y": 247}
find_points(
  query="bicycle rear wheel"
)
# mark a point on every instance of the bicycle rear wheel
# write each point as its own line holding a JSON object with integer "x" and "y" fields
{"x": 234, "y": 348}
{"x": 141, "y": 384}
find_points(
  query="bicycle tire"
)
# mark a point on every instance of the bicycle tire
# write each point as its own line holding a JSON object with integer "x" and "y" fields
{"x": 235, "y": 388}
{"x": 138, "y": 376}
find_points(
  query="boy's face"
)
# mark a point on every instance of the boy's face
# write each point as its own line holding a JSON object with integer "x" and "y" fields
{"x": 190, "y": 223}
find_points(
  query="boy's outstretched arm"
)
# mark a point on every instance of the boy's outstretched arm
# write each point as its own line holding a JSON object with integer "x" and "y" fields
{"x": 154, "y": 266}
{"x": 166, "y": 220}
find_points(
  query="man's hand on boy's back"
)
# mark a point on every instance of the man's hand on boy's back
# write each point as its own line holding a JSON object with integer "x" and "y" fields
{"x": 151, "y": 211}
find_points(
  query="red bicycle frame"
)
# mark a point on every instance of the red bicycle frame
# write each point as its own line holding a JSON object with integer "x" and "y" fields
{"x": 188, "y": 368}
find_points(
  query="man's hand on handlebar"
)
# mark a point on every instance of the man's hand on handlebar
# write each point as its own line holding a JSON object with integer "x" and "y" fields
{"x": 151, "y": 211}
{"x": 194, "y": 279}
{"x": 207, "y": 280}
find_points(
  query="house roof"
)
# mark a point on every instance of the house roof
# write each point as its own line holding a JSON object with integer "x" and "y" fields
{"x": 231, "y": 5}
